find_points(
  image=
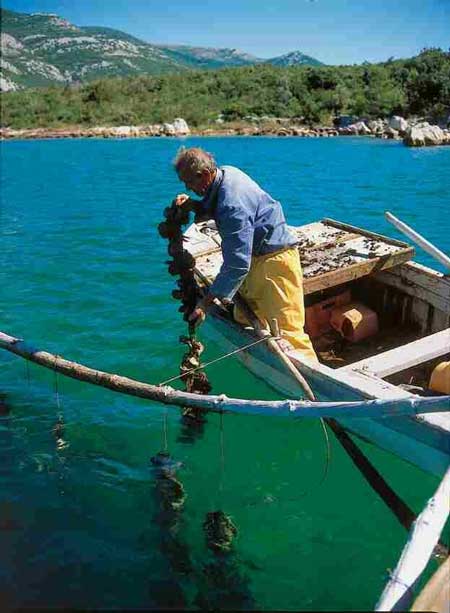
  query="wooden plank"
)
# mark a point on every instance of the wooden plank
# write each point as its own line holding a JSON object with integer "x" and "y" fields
{"x": 374, "y": 235}
{"x": 394, "y": 279}
{"x": 345, "y": 238}
{"x": 435, "y": 596}
{"x": 355, "y": 271}
{"x": 440, "y": 321}
{"x": 421, "y": 281}
{"x": 406, "y": 356}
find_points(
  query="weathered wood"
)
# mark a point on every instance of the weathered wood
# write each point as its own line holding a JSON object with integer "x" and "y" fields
{"x": 435, "y": 596}
{"x": 219, "y": 404}
{"x": 329, "y": 246}
{"x": 406, "y": 356}
{"x": 355, "y": 271}
{"x": 422, "y": 540}
{"x": 325, "y": 245}
{"x": 420, "y": 282}
{"x": 349, "y": 228}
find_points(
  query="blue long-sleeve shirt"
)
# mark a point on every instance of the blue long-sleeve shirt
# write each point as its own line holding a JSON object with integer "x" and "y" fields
{"x": 250, "y": 223}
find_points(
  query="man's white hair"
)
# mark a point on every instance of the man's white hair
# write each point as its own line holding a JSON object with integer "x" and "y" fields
{"x": 194, "y": 160}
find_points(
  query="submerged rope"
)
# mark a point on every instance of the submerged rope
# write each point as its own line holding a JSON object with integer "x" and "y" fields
{"x": 58, "y": 404}
{"x": 165, "y": 443}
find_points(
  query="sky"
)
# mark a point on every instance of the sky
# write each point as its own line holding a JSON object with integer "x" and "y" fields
{"x": 333, "y": 31}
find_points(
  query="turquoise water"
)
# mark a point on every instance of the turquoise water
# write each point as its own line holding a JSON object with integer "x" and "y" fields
{"x": 83, "y": 275}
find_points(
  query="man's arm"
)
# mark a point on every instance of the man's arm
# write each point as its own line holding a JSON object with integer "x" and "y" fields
{"x": 237, "y": 242}
{"x": 236, "y": 230}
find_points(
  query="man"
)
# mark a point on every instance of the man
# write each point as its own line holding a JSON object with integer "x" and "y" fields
{"x": 260, "y": 258}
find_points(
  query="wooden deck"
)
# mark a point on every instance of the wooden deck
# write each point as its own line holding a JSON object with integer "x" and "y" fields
{"x": 332, "y": 253}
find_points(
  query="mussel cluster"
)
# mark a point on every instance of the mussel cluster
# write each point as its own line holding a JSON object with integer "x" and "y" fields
{"x": 182, "y": 265}
{"x": 182, "y": 262}
{"x": 58, "y": 432}
{"x": 197, "y": 381}
{"x": 220, "y": 531}
{"x": 171, "y": 494}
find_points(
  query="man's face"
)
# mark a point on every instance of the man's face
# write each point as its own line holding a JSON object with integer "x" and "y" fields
{"x": 197, "y": 182}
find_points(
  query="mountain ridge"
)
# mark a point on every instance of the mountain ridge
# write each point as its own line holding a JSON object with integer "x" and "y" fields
{"x": 42, "y": 49}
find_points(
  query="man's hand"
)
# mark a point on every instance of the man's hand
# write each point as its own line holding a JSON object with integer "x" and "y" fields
{"x": 181, "y": 199}
{"x": 198, "y": 315}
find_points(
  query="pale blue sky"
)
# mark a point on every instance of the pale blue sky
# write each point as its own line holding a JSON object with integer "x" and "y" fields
{"x": 333, "y": 31}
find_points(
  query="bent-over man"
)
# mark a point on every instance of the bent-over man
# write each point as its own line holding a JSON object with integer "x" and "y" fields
{"x": 260, "y": 258}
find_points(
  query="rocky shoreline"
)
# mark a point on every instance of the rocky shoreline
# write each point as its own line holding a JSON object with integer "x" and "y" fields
{"x": 413, "y": 133}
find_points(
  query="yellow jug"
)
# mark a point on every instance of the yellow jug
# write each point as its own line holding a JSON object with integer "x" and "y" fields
{"x": 440, "y": 378}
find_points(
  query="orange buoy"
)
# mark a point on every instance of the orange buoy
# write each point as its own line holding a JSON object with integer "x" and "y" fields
{"x": 354, "y": 321}
{"x": 440, "y": 378}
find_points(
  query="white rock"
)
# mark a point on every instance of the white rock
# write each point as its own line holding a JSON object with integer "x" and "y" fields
{"x": 363, "y": 129}
{"x": 95, "y": 66}
{"x": 169, "y": 129}
{"x": 46, "y": 70}
{"x": 398, "y": 123}
{"x": 121, "y": 131}
{"x": 376, "y": 125}
{"x": 6, "y": 85}
{"x": 359, "y": 128}
{"x": 4, "y": 65}
{"x": 391, "y": 132}
{"x": 9, "y": 44}
{"x": 180, "y": 126}
{"x": 423, "y": 134}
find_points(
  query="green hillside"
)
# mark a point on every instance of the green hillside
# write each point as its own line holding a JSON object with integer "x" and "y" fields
{"x": 419, "y": 86}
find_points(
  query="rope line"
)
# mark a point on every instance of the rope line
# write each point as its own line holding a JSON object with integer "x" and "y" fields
{"x": 165, "y": 444}
{"x": 58, "y": 404}
{"x": 222, "y": 457}
{"x": 328, "y": 452}
{"x": 187, "y": 372}
{"x": 27, "y": 370}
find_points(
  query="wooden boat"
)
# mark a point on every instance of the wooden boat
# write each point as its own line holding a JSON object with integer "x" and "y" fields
{"x": 413, "y": 307}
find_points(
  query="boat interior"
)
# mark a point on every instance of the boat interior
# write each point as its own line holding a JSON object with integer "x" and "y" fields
{"x": 368, "y": 306}
{"x": 403, "y": 321}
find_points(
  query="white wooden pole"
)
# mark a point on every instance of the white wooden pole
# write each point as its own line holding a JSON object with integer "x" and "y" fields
{"x": 436, "y": 253}
{"x": 423, "y": 538}
{"x": 282, "y": 408}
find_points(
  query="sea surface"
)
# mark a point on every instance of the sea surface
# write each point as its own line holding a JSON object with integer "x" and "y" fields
{"x": 83, "y": 275}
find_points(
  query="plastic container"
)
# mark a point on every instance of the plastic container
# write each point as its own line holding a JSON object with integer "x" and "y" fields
{"x": 354, "y": 321}
{"x": 317, "y": 316}
{"x": 440, "y": 378}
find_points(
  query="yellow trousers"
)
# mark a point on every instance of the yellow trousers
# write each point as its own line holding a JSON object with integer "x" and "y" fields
{"x": 273, "y": 288}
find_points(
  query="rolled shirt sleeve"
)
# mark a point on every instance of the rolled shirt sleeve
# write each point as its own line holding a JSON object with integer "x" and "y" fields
{"x": 236, "y": 229}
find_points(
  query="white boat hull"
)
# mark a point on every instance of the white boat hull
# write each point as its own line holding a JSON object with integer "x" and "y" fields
{"x": 413, "y": 439}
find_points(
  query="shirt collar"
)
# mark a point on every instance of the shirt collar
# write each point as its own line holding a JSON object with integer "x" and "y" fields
{"x": 209, "y": 198}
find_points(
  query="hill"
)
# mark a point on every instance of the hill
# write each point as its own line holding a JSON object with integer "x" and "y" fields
{"x": 311, "y": 94}
{"x": 43, "y": 49}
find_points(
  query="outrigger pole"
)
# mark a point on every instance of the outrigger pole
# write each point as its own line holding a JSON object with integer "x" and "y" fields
{"x": 219, "y": 404}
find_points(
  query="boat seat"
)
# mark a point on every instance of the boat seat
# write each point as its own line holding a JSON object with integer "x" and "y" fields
{"x": 406, "y": 356}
